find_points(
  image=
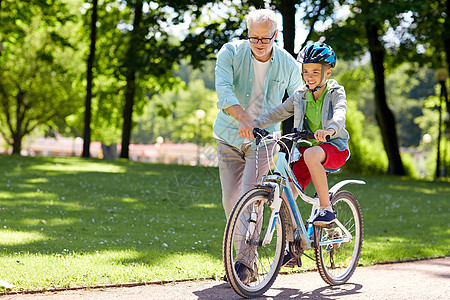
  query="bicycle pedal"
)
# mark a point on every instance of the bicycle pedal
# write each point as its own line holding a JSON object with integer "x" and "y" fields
{"x": 299, "y": 262}
{"x": 331, "y": 225}
{"x": 294, "y": 262}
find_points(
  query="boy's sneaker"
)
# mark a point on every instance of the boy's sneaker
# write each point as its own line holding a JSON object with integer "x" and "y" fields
{"x": 325, "y": 217}
{"x": 288, "y": 260}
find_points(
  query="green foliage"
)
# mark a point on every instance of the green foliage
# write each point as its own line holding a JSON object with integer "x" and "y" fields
{"x": 172, "y": 115}
{"x": 407, "y": 98}
{"x": 407, "y": 95}
{"x": 206, "y": 73}
{"x": 411, "y": 165}
{"x": 38, "y": 70}
{"x": 44, "y": 44}
{"x": 427, "y": 123}
{"x": 366, "y": 147}
{"x": 430, "y": 32}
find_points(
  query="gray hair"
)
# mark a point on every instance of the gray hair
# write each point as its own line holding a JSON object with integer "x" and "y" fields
{"x": 261, "y": 16}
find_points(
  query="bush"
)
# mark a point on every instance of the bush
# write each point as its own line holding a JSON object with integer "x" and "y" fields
{"x": 367, "y": 155}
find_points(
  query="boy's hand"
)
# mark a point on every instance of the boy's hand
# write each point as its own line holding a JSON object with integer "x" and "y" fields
{"x": 321, "y": 135}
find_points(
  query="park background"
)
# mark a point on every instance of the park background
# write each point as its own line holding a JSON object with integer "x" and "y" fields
{"x": 135, "y": 80}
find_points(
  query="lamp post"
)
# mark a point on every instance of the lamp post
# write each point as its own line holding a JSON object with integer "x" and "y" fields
{"x": 442, "y": 76}
{"x": 159, "y": 142}
{"x": 200, "y": 114}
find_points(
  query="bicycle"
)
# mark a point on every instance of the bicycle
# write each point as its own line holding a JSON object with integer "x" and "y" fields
{"x": 261, "y": 225}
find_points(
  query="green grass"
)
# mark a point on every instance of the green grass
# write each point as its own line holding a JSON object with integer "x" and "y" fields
{"x": 68, "y": 222}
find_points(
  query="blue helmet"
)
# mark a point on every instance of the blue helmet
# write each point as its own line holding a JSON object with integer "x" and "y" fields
{"x": 319, "y": 53}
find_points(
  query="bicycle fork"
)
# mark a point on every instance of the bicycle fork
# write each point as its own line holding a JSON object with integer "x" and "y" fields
{"x": 275, "y": 207}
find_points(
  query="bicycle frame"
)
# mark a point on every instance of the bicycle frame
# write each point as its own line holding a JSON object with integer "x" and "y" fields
{"x": 278, "y": 184}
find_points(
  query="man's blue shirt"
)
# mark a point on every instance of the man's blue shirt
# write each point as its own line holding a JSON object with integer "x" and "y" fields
{"x": 234, "y": 82}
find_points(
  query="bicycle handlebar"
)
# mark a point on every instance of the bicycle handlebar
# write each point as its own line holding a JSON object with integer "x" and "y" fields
{"x": 295, "y": 135}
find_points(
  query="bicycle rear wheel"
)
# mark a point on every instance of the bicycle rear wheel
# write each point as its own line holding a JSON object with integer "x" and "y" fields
{"x": 336, "y": 260}
{"x": 243, "y": 244}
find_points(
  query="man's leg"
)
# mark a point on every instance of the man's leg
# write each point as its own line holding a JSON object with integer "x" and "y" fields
{"x": 231, "y": 168}
{"x": 257, "y": 165}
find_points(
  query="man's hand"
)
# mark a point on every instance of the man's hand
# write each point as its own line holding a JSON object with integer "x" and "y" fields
{"x": 321, "y": 135}
{"x": 245, "y": 123}
{"x": 246, "y": 128}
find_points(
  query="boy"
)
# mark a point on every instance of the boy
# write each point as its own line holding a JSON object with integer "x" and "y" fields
{"x": 319, "y": 106}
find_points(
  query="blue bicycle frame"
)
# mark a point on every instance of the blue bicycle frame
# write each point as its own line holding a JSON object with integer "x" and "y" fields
{"x": 278, "y": 183}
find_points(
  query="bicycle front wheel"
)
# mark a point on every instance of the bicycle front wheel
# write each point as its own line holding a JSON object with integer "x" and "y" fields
{"x": 243, "y": 244}
{"x": 339, "y": 248}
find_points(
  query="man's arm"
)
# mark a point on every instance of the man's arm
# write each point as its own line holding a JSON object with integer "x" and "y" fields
{"x": 224, "y": 73}
{"x": 245, "y": 123}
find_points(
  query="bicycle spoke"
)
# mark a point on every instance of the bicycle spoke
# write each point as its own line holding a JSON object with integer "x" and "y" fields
{"x": 246, "y": 228}
{"x": 336, "y": 261}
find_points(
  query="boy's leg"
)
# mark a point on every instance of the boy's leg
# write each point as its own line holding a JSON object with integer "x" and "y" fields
{"x": 314, "y": 157}
{"x": 300, "y": 170}
{"x": 317, "y": 159}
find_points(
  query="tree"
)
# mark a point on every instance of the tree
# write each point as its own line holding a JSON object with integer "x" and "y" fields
{"x": 136, "y": 59}
{"x": 364, "y": 30}
{"x": 37, "y": 68}
{"x": 89, "y": 79}
{"x": 384, "y": 115}
{"x": 430, "y": 46}
{"x": 136, "y": 38}
{"x": 172, "y": 116}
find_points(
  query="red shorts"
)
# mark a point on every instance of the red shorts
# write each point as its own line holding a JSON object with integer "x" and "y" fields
{"x": 333, "y": 161}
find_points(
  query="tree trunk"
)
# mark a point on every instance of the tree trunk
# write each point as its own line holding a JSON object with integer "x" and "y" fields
{"x": 128, "y": 114}
{"x": 17, "y": 143}
{"x": 131, "y": 82}
{"x": 384, "y": 116}
{"x": 90, "y": 63}
{"x": 17, "y": 133}
{"x": 287, "y": 10}
{"x": 446, "y": 38}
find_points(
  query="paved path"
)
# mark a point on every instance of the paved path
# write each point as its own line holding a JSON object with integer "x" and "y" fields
{"x": 428, "y": 279}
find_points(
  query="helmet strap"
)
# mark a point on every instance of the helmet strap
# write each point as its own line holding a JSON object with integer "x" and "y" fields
{"x": 315, "y": 89}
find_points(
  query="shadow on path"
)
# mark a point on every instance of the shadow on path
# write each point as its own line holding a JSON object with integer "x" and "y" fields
{"x": 224, "y": 291}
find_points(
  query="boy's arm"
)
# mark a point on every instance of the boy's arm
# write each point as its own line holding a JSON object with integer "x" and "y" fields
{"x": 295, "y": 80}
{"x": 276, "y": 115}
{"x": 339, "y": 110}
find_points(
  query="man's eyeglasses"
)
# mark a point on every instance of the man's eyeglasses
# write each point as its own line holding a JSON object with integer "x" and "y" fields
{"x": 255, "y": 40}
